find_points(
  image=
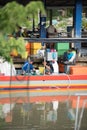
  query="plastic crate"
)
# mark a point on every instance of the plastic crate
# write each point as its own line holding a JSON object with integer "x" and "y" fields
{"x": 36, "y": 45}
{"x": 62, "y": 46}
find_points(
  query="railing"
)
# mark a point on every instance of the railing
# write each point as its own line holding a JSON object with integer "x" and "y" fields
{"x": 53, "y": 40}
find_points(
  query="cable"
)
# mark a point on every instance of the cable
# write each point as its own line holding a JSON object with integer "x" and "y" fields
{"x": 68, "y": 85}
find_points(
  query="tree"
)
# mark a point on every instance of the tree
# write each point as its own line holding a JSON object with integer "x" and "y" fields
{"x": 33, "y": 8}
{"x": 8, "y": 44}
{"x": 10, "y": 15}
{"x": 13, "y": 13}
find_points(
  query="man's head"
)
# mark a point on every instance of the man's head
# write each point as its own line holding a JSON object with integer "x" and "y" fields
{"x": 31, "y": 61}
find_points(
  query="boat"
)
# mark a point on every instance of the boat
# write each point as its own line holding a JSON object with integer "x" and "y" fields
{"x": 42, "y": 88}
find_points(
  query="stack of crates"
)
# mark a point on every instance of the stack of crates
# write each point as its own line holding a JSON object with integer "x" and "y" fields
{"x": 61, "y": 48}
{"x": 35, "y": 47}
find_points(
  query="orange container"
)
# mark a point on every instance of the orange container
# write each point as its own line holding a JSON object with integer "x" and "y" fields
{"x": 61, "y": 67}
{"x": 28, "y": 47}
{"x": 78, "y": 70}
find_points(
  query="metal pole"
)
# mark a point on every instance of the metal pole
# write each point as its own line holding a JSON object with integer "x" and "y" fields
{"x": 81, "y": 115}
{"x": 77, "y": 111}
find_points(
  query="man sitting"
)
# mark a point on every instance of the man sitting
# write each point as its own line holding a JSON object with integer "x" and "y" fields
{"x": 51, "y": 67}
{"x": 70, "y": 56}
{"x": 48, "y": 67}
{"x": 28, "y": 66}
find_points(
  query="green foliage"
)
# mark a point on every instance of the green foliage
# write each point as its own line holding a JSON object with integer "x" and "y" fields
{"x": 84, "y": 23}
{"x": 62, "y": 24}
{"x": 69, "y": 12}
{"x": 10, "y": 15}
{"x": 8, "y": 44}
{"x": 13, "y": 14}
{"x": 33, "y": 7}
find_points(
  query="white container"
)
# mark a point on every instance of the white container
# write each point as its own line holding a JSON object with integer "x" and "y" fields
{"x": 51, "y": 56}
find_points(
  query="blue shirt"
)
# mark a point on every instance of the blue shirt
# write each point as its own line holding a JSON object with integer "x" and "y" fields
{"x": 27, "y": 67}
{"x": 69, "y": 55}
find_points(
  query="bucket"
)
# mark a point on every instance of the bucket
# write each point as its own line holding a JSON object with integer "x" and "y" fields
{"x": 41, "y": 70}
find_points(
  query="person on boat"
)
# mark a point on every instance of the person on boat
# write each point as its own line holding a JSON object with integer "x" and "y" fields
{"x": 55, "y": 66}
{"x": 70, "y": 56}
{"x": 28, "y": 66}
{"x": 51, "y": 67}
{"x": 48, "y": 67}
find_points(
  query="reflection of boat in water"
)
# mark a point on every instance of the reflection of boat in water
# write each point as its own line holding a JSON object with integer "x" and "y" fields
{"x": 42, "y": 88}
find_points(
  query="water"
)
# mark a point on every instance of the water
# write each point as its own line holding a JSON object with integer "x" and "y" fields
{"x": 53, "y": 115}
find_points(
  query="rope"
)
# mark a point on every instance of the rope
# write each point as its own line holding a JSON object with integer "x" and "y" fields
{"x": 68, "y": 86}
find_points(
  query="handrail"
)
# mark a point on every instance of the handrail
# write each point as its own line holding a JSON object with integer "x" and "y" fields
{"x": 53, "y": 40}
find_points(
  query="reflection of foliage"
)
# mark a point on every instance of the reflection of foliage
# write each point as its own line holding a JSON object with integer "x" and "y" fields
{"x": 13, "y": 13}
{"x": 8, "y": 44}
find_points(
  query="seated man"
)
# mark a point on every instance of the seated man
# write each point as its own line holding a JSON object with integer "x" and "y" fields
{"x": 28, "y": 66}
{"x": 51, "y": 67}
{"x": 48, "y": 67}
{"x": 69, "y": 56}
